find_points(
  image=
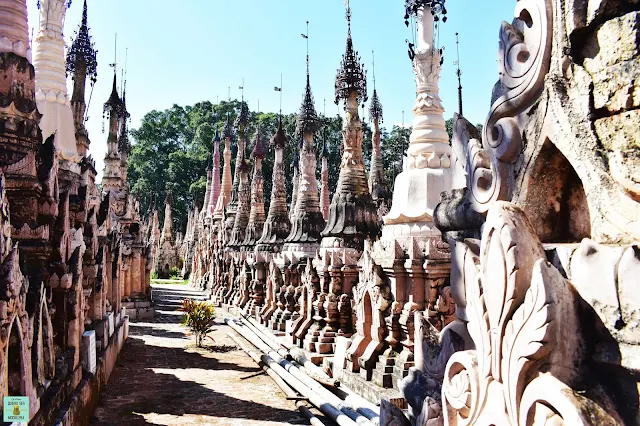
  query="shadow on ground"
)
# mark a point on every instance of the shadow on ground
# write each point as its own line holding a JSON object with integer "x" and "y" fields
{"x": 161, "y": 379}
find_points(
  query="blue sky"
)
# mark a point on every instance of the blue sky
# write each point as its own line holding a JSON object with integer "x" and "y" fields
{"x": 193, "y": 50}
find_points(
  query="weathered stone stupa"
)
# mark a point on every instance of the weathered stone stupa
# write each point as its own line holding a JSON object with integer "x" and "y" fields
{"x": 168, "y": 256}
{"x": 306, "y": 223}
{"x": 276, "y": 227}
{"x": 68, "y": 253}
{"x": 215, "y": 177}
{"x": 353, "y": 217}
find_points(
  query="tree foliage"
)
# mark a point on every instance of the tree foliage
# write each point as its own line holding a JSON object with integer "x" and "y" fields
{"x": 172, "y": 149}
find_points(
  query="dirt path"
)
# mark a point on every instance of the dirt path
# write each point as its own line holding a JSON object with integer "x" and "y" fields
{"x": 162, "y": 379}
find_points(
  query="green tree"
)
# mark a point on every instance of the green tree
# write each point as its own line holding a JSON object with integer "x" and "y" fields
{"x": 172, "y": 148}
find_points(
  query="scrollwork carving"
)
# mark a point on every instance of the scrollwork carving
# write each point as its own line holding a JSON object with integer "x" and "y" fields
{"x": 523, "y": 321}
{"x": 524, "y": 58}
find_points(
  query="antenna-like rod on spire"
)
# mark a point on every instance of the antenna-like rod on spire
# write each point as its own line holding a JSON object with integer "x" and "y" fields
{"x": 229, "y": 95}
{"x": 307, "y": 38}
{"x": 114, "y": 65}
{"x": 373, "y": 55}
{"x": 124, "y": 78}
{"x": 348, "y": 18}
{"x": 242, "y": 90}
{"x": 459, "y": 74}
{"x": 115, "y": 55}
{"x": 279, "y": 89}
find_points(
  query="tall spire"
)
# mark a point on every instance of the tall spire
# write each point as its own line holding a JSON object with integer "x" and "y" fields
{"x": 353, "y": 215}
{"x": 428, "y": 162}
{"x": 324, "y": 178}
{"x": 225, "y": 187}
{"x": 307, "y": 220}
{"x": 81, "y": 63}
{"x": 295, "y": 180}
{"x": 375, "y": 108}
{"x": 351, "y": 76}
{"x": 215, "y": 175}
{"x": 379, "y": 191}
{"x": 256, "y": 215}
{"x": 307, "y": 118}
{"x": 240, "y": 124}
{"x": 459, "y": 74}
{"x": 167, "y": 228}
{"x": 113, "y": 110}
{"x": 51, "y": 84}
{"x": 241, "y": 217}
{"x": 277, "y": 225}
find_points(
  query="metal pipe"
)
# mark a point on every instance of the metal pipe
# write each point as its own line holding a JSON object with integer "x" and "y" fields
{"x": 295, "y": 353}
{"x": 360, "y": 413}
{"x": 313, "y": 420}
{"x": 265, "y": 338}
{"x": 327, "y": 408}
{"x": 288, "y": 390}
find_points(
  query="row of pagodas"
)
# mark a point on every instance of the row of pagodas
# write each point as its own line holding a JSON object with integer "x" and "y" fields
{"x": 341, "y": 271}
{"x": 72, "y": 256}
{"x": 528, "y": 314}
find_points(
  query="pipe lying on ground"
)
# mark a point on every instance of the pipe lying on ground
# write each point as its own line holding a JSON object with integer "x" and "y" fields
{"x": 270, "y": 335}
{"x": 360, "y": 410}
{"x": 347, "y": 401}
{"x": 310, "y": 368}
{"x": 313, "y": 420}
{"x": 324, "y": 406}
{"x": 313, "y": 370}
{"x": 288, "y": 390}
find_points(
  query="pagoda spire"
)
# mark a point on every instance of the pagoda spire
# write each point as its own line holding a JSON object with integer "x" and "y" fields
{"x": 427, "y": 171}
{"x": 240, "y": 124}
{"x": 379, "y": 191}
{"x": 167, "y": 228}
{"x": 215, "y": 175}
{"x": 295, "y": 180}
{"x": 113, "y": 110}
{"x": 241, "y": 214}
{"x": 353, "y": 215}
{"x": 324, "y": 177}
{"x": 257, "y": 214}
{"x": 207, "y": 191}
{"x": 459, "y": 75}
{"x": 277, "y": 225}
{"x": 226, "y": 184}
{"x": 51, "y": 84}
{"x": 81, "y": 64}
{"x": 307, "y": 220}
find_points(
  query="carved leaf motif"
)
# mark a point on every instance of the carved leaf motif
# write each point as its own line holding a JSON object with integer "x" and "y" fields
{"x": 525, "y": 337}
{"x": 478, "y": 328}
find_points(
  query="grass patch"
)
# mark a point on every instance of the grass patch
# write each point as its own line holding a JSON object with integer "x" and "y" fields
{"x": 174, "y": 282}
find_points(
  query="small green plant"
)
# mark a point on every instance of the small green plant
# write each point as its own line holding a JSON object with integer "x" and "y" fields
{"x": 154, "y": 275}
{"x": 199, "y": 318}
{"x": 174, "y": 272}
